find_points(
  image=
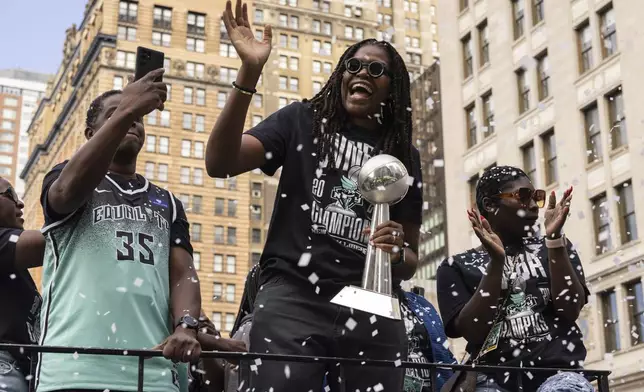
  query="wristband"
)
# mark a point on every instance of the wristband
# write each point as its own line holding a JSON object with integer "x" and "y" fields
{"x": 244, "y": 90}
{"x": 556, "y": 243}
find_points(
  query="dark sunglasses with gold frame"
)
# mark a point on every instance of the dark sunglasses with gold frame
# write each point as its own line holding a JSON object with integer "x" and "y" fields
{"x": 10, "y": 194}
{"x": 524, "y": 195}
{"x": 375, "y": 68}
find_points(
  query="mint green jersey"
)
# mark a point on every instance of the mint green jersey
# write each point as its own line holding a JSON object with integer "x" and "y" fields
{"x": 106, "y": 285}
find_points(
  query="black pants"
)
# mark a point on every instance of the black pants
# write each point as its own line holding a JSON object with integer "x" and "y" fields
{"x": 289, "y": 318}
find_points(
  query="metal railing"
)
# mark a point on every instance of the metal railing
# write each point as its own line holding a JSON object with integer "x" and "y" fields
{"x": 601, "y": 376}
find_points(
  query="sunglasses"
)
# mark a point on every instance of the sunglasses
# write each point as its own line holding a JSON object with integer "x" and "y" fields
{"x": 10, "y": 194}
{"x": 524, "y": 195}
{"x": 375, "y": 68}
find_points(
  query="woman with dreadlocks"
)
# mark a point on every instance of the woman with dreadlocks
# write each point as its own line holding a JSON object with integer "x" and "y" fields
{"x": 516, "y": 298}
{"x": 318, "y": 237}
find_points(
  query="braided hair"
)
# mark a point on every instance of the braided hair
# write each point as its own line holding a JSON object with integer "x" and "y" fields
{"x": 493, "y": 181}
{"x": 96, "y": 107}
{"x": 247, "y": 303}
{"x": 330, "y": 116}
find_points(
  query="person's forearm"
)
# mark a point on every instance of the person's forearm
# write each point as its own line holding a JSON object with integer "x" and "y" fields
{"x": 474, "y": 320}
{"x": 406, "y": 270}
{"x": 566, "y": 290}
{"x": 185, "y": 295}
{"x": 225, "y": 138}
{"x": 89, "y": 165}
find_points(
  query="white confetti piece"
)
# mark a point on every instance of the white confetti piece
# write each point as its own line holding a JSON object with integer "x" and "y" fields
{"x": 121, "y": 289}
{"x": 305, "y": 258}
{"x": 138, "y": 282}
{"x": 374, "y": 333}
{"x": 570, "y": 347}
{"x": 372, "y": 319}
{"x": 398, "y": 362}
{"x": 113, "y": 327}
{"x": 14, "y": 238}
{"x": 287, "y": 369}
{"x": 269, "y": 155}
{"x": 378, "y": 388}
{"x": 75, "y": 355}
{"x": 351, "y": 324}
{"x": 313, "y": 278}
{"x": 12, "y": 276}
{"x": 299, "y": 147}
{"x": 410, "y": 181}
{"x": 305, "y": 207}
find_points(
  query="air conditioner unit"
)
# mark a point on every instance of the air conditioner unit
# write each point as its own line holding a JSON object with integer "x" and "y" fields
{"x": 357, "y": 12}
{"x": 256, "y": 194}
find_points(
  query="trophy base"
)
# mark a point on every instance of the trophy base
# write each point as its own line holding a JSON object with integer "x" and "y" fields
{"x": 368, "y": 301}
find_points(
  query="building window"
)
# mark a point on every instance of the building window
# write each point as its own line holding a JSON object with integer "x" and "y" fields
{"x": 218, "y": 263}
{"x": 317, "y": 86}
{"x": 185, "y": 200}
{"x": 195, "y": 232}
{"x": 327, "y": 28}
{"x": 184, "y": 175}
{"x": 219, "y": 234}
{"x": 230, "y": 320}
{"x": 626, "y": 207}
{"x": 327, "y": 67}
{"x": 255, "y": 213}
{"x": 283, "y": 82}
{"x": 232, "y": 236}
{"x": 254, "y": 258}
{"x": 484, "y": 44}
{"x": 348, "y": 30}
{"x": 13, "y": 102}
{"x": 128, "y": 11}
{"x": 317, "y": 46}
{"x": 529, "y": 162}
{"x": 316, "y": 27}
{"x": 150, "y": 143}
{"x": 608, "y": 32}
{"x": 117, "y": 84}
{"x": 635, "y": 298}
{"x": 488, "y": 114}
{"x": 259, "y": 16}
{"x": 463, "y": 4}
{"x": 219, "y": 206}
{"x": 256, "y": 119}
{"x": 161, "y": 39}
{"x": 611, "y": 322}
{"x": 197, "y": 176}
{"x": 216, "y": 320}
{"x": 593, "y": 134}
{"x": 326, "y": 49}
{"x": 231, "y": 263}
{"x": 162, "y": 17}
{"x": 537, "y": 11}
{"x": 283, "y": 20}
{"x": 518, "y": 13}
{"x": 283, "y": 62}
{"x": 201, "y": 97}
{"x": 217, "y": 291}
{"x": 230, "y": 297}
{"x": 543, "y": 72}
{"x": 221, "y": 99}
{"x": 186, "y": 147}
{"x": 294, "y": 84}
{"x": 187, "y": 121}
{"x": 200, "y": 123}
{"x": 187, "y": 95}
{"x": 585, "y": 43}
{"x": 470, "y": 119}
{"x": 472, "y": 188}
{"x": 601, "y": 217}
{"x": 196, "y": 23}
{"x": 126, "y": 33}
{"x": 617, "y": 118}
{"x": 232, "y": 208}
{"x": 294, "y": 63}
{"x": 149, "y": 170}
{"x": 466, "y": 43}
{"x": 125, "y": 59}
{"x": 196, "y": 260}
{"x": 256, "y": 236}
{"x": 550, "y": 157}
{"x": 524, "y": 91}
{"x": 195, "y": 70}
{"x": 169, "y": 95}
{"x": 317, "y": 66}
{"x": 258, "y": 100}
{"x": 166, "y": 65}
{"x": 197, "y": 202}
{"x": 165, "y": 118}
{"x": 199, "y": 150}
{"x": 227, "y": 50}
{"x": 162, "y": 174}
{"x": 232, "y": 184}
{"x": 295, "y": 22}
{"x": 282, "y": 102}
{"x": 7, "y": 125}
{"x": 164, "y": 145}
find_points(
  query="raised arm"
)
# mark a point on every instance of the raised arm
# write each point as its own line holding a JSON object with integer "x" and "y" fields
{"x": 229, "y": 152}
{"x": 90, "y": 163}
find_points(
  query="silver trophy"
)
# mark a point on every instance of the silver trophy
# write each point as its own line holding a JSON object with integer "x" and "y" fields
{"x": 382, "y": 181}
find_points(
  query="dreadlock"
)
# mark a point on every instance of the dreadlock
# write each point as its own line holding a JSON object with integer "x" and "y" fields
{"x": 247, "y": 303}
{"x": 493, "y": 181}
{"x": 97, "y": 105}
{"x": 330, "y": 116}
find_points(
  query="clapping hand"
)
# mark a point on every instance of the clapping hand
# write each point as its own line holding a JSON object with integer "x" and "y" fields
{"x": 557, "y": 213}
{"x": 489, "y": 239}
{"x": 252, "y": 52}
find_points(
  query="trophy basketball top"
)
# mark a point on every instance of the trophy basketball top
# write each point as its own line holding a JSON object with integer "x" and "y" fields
{"x": 383, "y": 179}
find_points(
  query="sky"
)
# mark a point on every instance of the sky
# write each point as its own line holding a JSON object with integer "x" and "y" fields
{"x": 32, "y": 32}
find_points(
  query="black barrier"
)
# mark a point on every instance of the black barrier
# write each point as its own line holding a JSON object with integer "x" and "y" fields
{"x": 601, "y": 376}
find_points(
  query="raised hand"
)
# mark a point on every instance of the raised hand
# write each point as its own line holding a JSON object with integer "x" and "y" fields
{"x": 145, "y": 95}
{"x": 252, "y": 52}
{"x": 557, "y": 213}
{"x": 489, "y": 239}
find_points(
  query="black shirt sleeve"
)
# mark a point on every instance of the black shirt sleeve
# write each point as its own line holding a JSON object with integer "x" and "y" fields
{"x": 575, "y": 260}
{"x": 180, "y": 229}
{"x": 51, "y": 216}
{"x": 452, "y": 295}
{"x": 410, "y": 209}
{"x": 275, "y": 134}
{"x": 8, "y": 240}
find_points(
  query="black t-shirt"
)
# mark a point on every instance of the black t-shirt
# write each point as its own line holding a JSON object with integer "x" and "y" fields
{"x": 419, "y": 346}
{"x": 531, "y": 334}
{"x": 316, "y": 231}
{"x": 20, "y": 301}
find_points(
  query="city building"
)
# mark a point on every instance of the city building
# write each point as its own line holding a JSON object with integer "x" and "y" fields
{"x": 229, "y": 218}
{"x": 20, "y": 93}
{"x": 554, "y": 87}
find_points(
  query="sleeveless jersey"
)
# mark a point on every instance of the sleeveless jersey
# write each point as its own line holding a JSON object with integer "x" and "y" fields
{"x": 106, "y": 285}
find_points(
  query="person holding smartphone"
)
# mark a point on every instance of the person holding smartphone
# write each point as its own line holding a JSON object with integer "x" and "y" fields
{"x": 118, "y": 269}
{"x": 319, "y": 232}
{"x": 20, "y": 301}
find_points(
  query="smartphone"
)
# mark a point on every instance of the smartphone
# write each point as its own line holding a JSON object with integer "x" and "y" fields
{"x": 148, "y": 60}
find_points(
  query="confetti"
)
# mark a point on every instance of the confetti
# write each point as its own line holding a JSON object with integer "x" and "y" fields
{"x": 287, "y": 372}
{"x": 269, "y": 155}
{"x": 138, "y": 282}
{"x": 113, "y": 327}
{"x": 14, "y": 238}
{"x": 313, "y": 278}
{"x": 351, "y": 324}
{"x": 305, "y": 258}
{"x": 305, "y": 207}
